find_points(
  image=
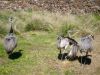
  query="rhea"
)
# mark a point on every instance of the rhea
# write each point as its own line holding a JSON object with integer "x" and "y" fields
{"x": 10, "y": 40}
{"x": 74, "y": 49}
{"x": 86, "y": 44}
{"x": 64, "y": 42}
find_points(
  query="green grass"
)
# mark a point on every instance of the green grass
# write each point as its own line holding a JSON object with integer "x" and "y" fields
{"x": 39, "y": 56}
{"x": 37, "y": 25}
{"x": 38, "y": 43}
{"x": 46, "y": 21}
{"x": 2, "y": 31}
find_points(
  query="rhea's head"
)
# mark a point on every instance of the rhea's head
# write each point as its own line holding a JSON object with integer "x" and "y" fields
{"x": 91, "y": 36}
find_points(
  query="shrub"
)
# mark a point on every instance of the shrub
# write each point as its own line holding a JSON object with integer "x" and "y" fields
{"x": 37, "y": 25}
{"x": 67, "y": 27}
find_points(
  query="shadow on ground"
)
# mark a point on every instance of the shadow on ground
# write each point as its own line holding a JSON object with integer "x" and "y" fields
{"x": 65, "y": 56}
{"x": 15, "y": 55}
{"x": 62, "y": 56}
{"x": 84, "y": 60}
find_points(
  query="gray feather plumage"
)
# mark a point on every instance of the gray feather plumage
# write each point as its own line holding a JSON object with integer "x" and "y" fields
{"x": 10, "y": 41}
{"x": 86, "y": 43}
{"x": 64, "y": 42}
{"x": 73, "y": 51}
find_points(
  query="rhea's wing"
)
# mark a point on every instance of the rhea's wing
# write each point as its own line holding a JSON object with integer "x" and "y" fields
{"x": 64, "y": 43}
{"x": 86, "y": 44}
{"x": 73, "y": 51}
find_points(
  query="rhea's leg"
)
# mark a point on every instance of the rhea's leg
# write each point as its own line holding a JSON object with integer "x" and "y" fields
{"x": 86, "y": 53}
{"x": 9, "y": 52}
{"x": 81, "y": 57}
{"x": 60, "y": 51}
{"x": 62, "y": 55}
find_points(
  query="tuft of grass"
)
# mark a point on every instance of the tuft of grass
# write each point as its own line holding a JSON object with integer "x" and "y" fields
{"x": 45, "y": 21}
{"x": 64, "y": 30}
{"x": 37, "y": 25}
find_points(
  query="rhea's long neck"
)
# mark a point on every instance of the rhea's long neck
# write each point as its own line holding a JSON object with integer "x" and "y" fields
{"x": 11, "y": 29}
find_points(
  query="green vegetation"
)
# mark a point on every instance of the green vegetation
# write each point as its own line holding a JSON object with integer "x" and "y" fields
{"x": 46, "y": 21}
{"x": 39, "y": 56}
{"x": 37, "y": 25}
{"x": 66, "y": 28}
{"x": 2, "y": 31}
{"x": 37, "y": 40}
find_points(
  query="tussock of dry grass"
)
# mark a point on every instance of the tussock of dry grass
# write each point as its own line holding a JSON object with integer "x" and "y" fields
{"x": 81, "y": 24}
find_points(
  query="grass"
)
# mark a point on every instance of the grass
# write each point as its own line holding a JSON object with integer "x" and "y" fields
{"x": 39, "y": 56}
{"x": 46, "y": 21}
{"x": 37, "y": 25}
{"x": 2, "y": 31}
{"x": 38, "y": 45}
